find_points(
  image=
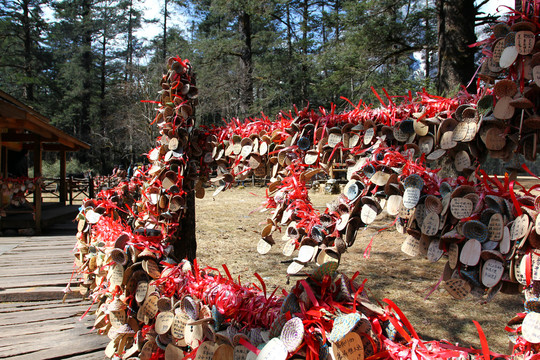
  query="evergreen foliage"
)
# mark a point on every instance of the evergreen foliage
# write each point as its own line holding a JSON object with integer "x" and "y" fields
{"x": 84, "y": 66}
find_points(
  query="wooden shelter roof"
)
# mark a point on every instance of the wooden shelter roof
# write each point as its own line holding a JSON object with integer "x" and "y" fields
{"x": 21, "y": 126}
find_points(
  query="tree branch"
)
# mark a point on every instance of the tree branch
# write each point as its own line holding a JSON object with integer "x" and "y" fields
{"x": 482, "y": 20}
{"x": 232, "y": 53}
{"x": 12, "y": 65}
{"x": 482, "y": 3}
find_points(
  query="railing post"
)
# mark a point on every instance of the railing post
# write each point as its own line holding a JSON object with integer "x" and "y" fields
{"x": 37, "y": 192}
{"x": 63, "y": 191}
{"x": 71, "y": 190}
{"x": 90, "y": 186}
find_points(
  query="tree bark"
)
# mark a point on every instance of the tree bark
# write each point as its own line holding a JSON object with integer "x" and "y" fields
{"x": 129, "y": 50}
{"x": 165, "y": 15}
{"x": 305, "y": 22}
{"x": 456, "y": 31}
{"x": 102, "y": 92}
{"x": 27, "y": 38}
{"x": 426, "y": 44}
{"x": 246, "y": 65}
{"x": 86, "y": 92}
{"x": 188, "y": 248}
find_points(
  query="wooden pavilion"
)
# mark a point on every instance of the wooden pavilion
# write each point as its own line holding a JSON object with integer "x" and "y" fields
{"x": 22, "y": 128}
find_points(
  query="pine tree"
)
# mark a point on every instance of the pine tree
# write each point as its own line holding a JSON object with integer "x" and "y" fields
{"x": 22, "y": 57}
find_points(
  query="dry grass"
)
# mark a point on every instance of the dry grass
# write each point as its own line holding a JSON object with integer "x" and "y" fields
{"x": 228, "y": 232}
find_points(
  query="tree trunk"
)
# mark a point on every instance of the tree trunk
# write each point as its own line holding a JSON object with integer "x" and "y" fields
{"x": 102, "y": 105}
{"x": 165, "y": 15}
{"x": 246, "y": 65}
{"x": 456, "y": 31}
{"x": 27, "y": 38}
{"x": 86, "y": 62}
{"x": 426, "y": 44}
{"x": 305, "y": 22}
{"x": 290, "y": 63}
{"x": 188, "y": 248}
{"x": 337, "y": 8}
{"x": 129, "y": 50}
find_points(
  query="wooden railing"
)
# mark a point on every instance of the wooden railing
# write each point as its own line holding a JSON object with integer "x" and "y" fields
{"x": 75, "y": 187}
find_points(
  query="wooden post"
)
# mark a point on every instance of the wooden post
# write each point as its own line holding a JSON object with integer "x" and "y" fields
{"x": 37, "y": 191}
{"x": 4, "y": 168}
{"x": 186, "y": 231}
{"x": 71, "y": 190}
{"x": 63, "y": 185}
{"x": 90, "y": 186}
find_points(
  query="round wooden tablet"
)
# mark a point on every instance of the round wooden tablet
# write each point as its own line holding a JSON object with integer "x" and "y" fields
{"x": 368, "y": 136}
{"x": 453, "y": 255}
{"x": 149, "y": 309}
{"x": 498, "y": 48}
{"x": 492, "y": 272}
{"x": 273, "y": 350}
{"x": 173, "y": 352}
{"x": 179, "y": 324}
{"x": 434, "y": 252}
{"x": 508, "y": 57}
{"x": 206, "y": 351}
{"x": 430, "y": 225}
{"x": 349, "y": 348}
{"x": 437, "y": 154}
{"x": 505, "y": 244}
{"x": 263, "y": 247}
{"x": 294, "y": 267}
{"x": 462, "y": 160}
{"x": 447, "y": 141}
{"x": 531, "y": 327}
{"x": 193, "y": 335}
{"x": 368, "y": 213}
{"x": 393, "y": 203}
{"x": 240, "y": 352}
{"x": 164, "y": 321}
{"x": 519, "y": 227}
{"x": 413, "y": 246}
{"x": 535, "y": 266}
{"x": 470, "y": 254}
{"x": 536, "y": 74}
{"x": 495, "y": 227}
{"x": 289, "y": 247}
{"x": 411, "y": 197}
{"x": 305, "y": 253}
{"x": 141, "y": 291}
{"x": 457, "y": 288}
{"x": 461, "y": 207}
{"x": 503, "y": 110}
{"x": 224, "y": 352}
{"x": 525, "y": 42}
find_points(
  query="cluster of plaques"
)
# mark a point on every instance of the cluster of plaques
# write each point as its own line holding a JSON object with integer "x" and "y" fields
{"x": 154, "y": 306}
{"x": 513, "y": 64}
{"x": 388, "y": 172}
{"x": 14, "y": 191}
{"x": 480, "y": 235}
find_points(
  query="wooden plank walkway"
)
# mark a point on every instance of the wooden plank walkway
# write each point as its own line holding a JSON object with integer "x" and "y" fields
{"x": 34, "y": 323}
{"x": 53, "y": 213}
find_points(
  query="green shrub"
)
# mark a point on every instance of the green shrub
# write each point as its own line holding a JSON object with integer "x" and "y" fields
{"x": 51, "y": 169}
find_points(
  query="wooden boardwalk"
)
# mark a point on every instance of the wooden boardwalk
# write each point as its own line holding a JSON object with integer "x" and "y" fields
{"x": 34, "y": 323}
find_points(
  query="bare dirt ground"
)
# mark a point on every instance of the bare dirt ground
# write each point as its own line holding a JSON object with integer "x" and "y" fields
{"x": 228, "y": 229}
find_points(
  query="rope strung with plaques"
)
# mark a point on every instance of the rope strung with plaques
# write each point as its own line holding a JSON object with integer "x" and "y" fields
{"x": 153, "y": 305}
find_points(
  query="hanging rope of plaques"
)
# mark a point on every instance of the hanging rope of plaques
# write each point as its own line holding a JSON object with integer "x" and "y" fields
{"x": 153, "y": 305}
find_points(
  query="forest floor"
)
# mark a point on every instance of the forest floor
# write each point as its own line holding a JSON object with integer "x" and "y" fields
{"x": 228, "y": 229}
